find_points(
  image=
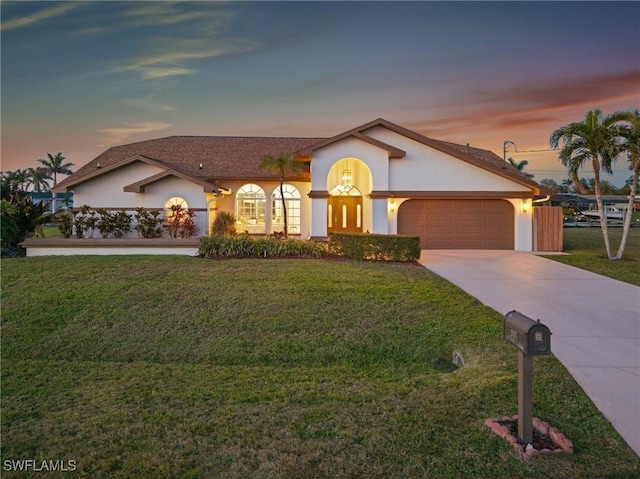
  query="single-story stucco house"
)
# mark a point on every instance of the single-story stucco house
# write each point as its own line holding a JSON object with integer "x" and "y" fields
{"x": 378, "y": 177}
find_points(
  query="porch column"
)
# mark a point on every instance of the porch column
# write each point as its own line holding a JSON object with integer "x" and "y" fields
{"x": 379, "y": 216}
{"x": 319, "y": 214}
{"x": 523, "y": 227}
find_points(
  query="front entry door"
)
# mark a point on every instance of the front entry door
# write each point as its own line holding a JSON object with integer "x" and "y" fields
{"x": 344, "y": 214}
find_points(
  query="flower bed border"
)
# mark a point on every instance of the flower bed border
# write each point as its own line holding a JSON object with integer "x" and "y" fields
{"x": 527, "y": 451}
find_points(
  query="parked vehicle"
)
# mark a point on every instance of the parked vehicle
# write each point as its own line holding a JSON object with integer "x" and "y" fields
{"x": 612, "y": 212}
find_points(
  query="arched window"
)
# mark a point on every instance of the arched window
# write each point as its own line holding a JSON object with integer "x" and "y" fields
{"x": 292, "y": 202}
{"x": 250, "y": 209}
{"x": 174, "y": 202}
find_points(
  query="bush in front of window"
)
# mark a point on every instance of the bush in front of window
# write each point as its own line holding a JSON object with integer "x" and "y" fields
{"x": 180, "y": 222}
{"x": 224, "y": 224}
{"x": 245, "y": 246}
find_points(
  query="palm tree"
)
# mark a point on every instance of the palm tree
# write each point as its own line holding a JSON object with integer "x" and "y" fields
{"x": 566, "y": 185}
{"x": 13, "y": 182}
{"x": 38, "y": 177}
{"x": 56, "y": 164}
{"x": 520, "y": 166}
{"x": 578, "y": 184}
{"x": 607, "y": 188}
{"x": 631, "y": 134}
{"x": 596, "y": 139}
{"x": 281, "y": 164}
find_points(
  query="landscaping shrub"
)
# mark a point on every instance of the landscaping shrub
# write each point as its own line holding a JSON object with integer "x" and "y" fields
{"x": 110, "y": 224}
{"x": 106, "y": 223}
{"x": 377, "y": 247}
{"x": 243, "y": 246}
{"x": 122, "y": 223}
{"x": 181, "y": 223}
{"x": 66, "y": 223}
{"x": 149, "y": 224}
{"x": 224, "y": 224}
{"x": 85, "y": 222}
{"x": 20, "y": 219}
{"x": 10, "y": 231}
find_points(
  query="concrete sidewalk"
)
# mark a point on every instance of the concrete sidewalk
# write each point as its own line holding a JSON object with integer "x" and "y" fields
{"x": 594, "y": 320}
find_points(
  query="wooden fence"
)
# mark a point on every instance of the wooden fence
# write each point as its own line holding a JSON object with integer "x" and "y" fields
{"x": 547, "y": 228}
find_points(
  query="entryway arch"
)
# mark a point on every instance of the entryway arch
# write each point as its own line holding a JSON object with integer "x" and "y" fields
{"x": 347, "y": 179}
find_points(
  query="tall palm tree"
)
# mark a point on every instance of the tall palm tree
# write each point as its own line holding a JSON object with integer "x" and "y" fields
{"x": 597, "y": 139}
{"x": 56, "y": 164}
{"x": 38, "y": 177}
{"x": 566, "y": 185}
{"x": 631, "y": 135}
{"x": 282, "y": 164}
{"x": 520, "y": 166}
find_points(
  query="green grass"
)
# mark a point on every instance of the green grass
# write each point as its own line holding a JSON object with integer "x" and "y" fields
{"x": 51, "y": 231}
{"x": 586, "y": 251}
{"x": 182, "y": 367}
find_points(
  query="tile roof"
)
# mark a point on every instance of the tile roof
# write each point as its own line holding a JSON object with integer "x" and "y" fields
{"x": 230, "y": 157}
{"x": 222, "y": 157}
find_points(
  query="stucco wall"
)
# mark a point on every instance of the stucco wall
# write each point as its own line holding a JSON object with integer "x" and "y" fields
{"x": 375, "y": 159}
{"x": 427, "y": 169}
{"x": 423, "y": 169}
{"x": 107, "y": 191}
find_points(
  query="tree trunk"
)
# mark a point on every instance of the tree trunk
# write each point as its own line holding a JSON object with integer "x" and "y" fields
{"x": 284, "y": 208}
{"x": 627, "y": 219}
{"x": 577, "y": 184}
{"x": 603, "y": 213}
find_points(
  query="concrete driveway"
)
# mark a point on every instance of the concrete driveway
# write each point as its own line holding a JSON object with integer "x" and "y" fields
{"x": 594, "y": 320}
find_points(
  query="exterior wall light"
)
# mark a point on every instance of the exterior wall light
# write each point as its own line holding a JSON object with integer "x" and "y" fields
{"x": 392, "y": 206}
{"x": 525, "y": 205}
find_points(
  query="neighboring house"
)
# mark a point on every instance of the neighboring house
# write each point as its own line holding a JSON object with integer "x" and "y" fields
{"x": 379, "y": 178}
{"x": 585, "y": 202}
{"x": 57, "y": 201}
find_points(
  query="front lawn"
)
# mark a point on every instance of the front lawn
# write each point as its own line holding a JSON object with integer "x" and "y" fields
{"x": 586, "y": 251}
{"x": 135, "y": 366}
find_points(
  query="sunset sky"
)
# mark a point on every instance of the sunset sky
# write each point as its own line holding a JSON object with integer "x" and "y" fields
{"x": 79, "y": 77}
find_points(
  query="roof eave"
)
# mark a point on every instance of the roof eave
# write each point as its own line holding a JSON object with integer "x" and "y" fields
{"x": 393, "y": 152}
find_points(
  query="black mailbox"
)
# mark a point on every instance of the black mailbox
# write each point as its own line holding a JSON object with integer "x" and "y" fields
{"x": 529, "y": 336}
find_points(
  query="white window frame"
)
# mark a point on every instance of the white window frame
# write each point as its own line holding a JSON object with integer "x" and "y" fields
{"x": 293, "y": 201}
{"x": 251, "y": 209}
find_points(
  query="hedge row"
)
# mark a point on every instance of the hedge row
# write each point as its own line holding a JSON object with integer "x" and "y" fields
{"x": 361, "y": 247}
{"x": 243, "y": 246}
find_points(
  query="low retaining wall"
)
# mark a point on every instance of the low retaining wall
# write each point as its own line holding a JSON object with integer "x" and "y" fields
{"x": 104, "y": 246}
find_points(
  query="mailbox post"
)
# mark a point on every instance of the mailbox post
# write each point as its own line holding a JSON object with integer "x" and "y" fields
{"x": 531, "y": 338}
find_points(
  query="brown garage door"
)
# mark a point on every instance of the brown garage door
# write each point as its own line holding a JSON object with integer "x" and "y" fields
{"x": 458, "y": 224}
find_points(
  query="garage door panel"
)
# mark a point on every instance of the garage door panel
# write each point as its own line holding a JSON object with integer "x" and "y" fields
{"x": 459, "y": 224}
